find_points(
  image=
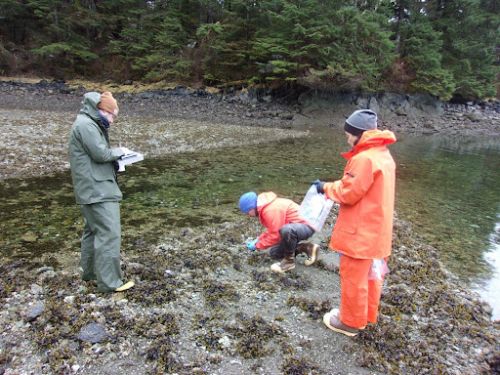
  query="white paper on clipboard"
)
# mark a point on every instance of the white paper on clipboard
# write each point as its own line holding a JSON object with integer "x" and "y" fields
{"x": 130, "y": 157}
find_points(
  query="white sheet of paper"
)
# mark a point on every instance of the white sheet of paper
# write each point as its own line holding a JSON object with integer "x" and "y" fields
{"x": 129, "y": 158}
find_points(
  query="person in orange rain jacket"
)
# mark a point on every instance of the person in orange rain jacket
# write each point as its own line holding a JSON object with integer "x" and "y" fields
{"x": 285, "y": 228}
{"x": 363, "y": 231}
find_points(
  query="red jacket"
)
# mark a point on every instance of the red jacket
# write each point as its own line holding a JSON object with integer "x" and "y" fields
{"x": 273, "y": 213}
{"x": 366, "y": 195}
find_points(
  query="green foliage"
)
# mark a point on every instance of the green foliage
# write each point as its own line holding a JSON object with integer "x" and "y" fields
{"x": 58, "y": 50}
{"x": 444, "y": 48}
{"x": 421, "y": 47}
{"x": 470, "y": 36}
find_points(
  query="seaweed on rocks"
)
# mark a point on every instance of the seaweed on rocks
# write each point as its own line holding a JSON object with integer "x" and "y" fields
{"x": 161, "y": 351}
{"x": 264, "y": 281}
{"x": 209, "y": 333}
{"x": 157, "y": 324}
{"x": 57, "y": 322}
{"x": 327, "y": 266}
{"x": 295, "y": 280}
{"x": 5, "y": 360}
{"x": 294, "y": 365}
{"x": 253, "y": 334}
{"x": 216, "y": 293}
{"x": 258, "y": 260}
{"x": 190, "y": 320}
{"x": 62, "y": 356}
{"x": 428, "y": 322}
{"x": 154, "y": 292}
{"x": 316, "y": 309}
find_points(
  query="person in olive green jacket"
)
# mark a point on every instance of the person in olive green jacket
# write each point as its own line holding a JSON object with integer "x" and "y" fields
{"x": 93, "y": 173}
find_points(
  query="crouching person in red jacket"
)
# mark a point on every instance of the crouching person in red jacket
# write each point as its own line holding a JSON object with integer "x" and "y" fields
{"x": 285, "y": 228}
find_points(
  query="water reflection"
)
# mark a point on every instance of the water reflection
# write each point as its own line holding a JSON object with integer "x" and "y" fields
{"x": 448, "y": 188}
{"x": 489, "y": 289}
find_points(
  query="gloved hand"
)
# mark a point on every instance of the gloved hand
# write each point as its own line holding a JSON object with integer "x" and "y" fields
{"x": 251, "y": 244}
{"x": 319, "y": 186}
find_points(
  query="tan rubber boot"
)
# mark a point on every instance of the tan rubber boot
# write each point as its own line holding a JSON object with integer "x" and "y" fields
{"x": 125, "y": 286}
{"x": 311, "y": 250}
{"x": 287, "y": 264}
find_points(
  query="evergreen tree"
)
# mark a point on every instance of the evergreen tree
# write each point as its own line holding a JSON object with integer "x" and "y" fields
{"x": 470, "y": 36}
{"x": 441, "y": 47}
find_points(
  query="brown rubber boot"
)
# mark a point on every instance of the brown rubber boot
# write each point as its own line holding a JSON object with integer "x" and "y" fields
{"x": 286, "y": 264}
{"x": 311, "y": 250}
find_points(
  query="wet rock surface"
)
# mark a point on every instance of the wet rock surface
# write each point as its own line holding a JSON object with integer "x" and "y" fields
{"x": 34, "y": 311}
{"x": 93, "y": 333}
{"x": 203, "y": 305}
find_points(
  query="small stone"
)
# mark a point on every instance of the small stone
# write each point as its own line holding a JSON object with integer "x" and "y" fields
{"x": 36, "y": 289}
{"x": 69, "y": 300}
{"x": 135, "y": 268}
{"x": 225, "y": 342}
{"x": 29, "y": 237}
{"x": 35, "y": 311}
{"x": 93, "y": 333}
{"x": 44, "y": 269}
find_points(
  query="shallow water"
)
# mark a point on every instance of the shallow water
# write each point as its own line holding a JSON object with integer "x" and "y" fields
{"x": 447, "y": 187}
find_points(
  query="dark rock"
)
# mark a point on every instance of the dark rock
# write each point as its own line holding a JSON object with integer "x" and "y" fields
{"x": 473, "y": 116}
{"x": 186, "y": 232}
{"x": 286, "y": 116}
{"x": 135, "y": 268}
{"x": 93, "y": 333}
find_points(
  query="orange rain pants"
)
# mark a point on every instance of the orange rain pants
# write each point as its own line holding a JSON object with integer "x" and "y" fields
{"x": 359, "y": 297}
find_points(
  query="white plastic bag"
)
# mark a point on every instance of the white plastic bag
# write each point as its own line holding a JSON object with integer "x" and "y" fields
{"x": 378, "y": 270}
{"x": 315, "y": 208}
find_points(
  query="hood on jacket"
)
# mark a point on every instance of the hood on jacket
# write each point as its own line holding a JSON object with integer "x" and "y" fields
{"x": 369, "y": 139}
{"x": 264, "y": 199}
{"x": 89, "y": 105}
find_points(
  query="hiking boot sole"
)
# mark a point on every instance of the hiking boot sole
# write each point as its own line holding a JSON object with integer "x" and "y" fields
{"x": 326, "y": 321}
{"x": 276, "y": 267}
{"x": 313, "y": 257}
{"x": 125, "y": 286}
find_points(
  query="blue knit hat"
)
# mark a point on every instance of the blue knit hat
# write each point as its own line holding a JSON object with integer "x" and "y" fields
{"x": 248, "y": 201}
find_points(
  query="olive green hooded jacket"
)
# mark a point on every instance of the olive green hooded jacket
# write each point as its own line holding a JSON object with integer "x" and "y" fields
{"x": 91, "y": 158}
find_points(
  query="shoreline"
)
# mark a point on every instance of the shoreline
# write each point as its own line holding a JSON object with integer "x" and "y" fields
{"x": 182, "y": 108}
{"x": 201, "y": 306}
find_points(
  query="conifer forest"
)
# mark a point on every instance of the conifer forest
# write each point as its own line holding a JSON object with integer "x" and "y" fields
{"x": 446, "y": 48}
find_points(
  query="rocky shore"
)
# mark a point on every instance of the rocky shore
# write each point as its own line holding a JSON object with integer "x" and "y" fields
{"x": 175, "y": 116}
{"x": 201, "y": 305}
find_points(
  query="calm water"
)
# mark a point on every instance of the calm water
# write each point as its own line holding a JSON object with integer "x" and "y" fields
{"x": 448, "y": 187}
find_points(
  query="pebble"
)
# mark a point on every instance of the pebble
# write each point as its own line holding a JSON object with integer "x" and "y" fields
{"x": 35, "y": 311}
{"x": 36, "y": 289}
{"x": 70, "y": 300}
{"x": 93, "y": 333}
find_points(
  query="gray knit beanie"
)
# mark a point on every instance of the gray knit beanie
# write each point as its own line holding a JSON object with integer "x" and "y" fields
{"x": 361, "y": 120}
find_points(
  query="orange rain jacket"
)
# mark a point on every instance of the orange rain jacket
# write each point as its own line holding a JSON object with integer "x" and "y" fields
{"x": 366, "y": 195}
{"x": 273, "y": 213}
